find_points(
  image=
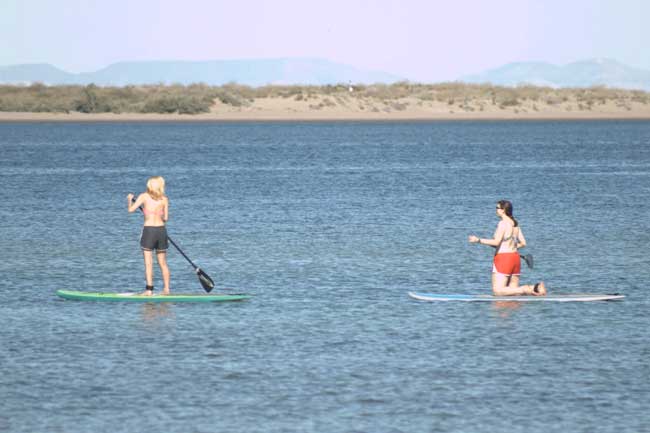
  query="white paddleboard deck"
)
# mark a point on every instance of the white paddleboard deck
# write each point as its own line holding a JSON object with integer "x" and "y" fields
{"x": 582, "y": 297}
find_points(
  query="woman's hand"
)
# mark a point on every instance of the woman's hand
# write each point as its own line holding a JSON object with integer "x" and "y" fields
{"x": 132, "y": 205}
{"x": 473, "y": 239}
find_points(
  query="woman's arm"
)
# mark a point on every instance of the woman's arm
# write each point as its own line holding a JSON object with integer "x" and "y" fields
{"x": 495, "y": 242}
{"x": 166, "y": 210}
{"x": 132, "y": 206}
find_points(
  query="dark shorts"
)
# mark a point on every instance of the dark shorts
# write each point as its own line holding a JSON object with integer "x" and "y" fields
{"x": 154, "y": 238}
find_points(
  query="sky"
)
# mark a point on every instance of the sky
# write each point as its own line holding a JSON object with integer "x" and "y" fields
{"x": 419, "y": 40}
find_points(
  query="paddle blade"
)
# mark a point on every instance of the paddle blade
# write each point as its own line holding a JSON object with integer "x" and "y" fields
{"x": 528, "y": 258}
{"x": 205, "y": 280}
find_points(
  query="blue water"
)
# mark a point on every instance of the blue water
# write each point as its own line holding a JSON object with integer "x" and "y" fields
{"x": 328, "y": 225}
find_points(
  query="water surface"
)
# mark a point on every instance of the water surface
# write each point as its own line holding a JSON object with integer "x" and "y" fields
{"x": 328, "y": 225}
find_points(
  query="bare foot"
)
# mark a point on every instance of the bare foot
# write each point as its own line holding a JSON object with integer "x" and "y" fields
{"x": 539, "y": 289}
{"x": 165, "y": 292}
{"x": 147, "y": 293}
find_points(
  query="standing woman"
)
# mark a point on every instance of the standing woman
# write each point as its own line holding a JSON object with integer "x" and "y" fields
{"x": 155, "y": 207}
{"x": 506, "y": 268}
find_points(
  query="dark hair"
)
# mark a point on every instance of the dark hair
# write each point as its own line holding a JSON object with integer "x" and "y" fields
{"x": 507, "y": 207}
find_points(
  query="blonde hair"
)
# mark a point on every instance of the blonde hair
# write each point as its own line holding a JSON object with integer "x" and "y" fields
{"x": 156, "y": 187}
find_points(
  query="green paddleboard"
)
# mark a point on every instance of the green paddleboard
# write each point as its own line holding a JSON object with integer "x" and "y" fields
{"x": 135, "y": 297}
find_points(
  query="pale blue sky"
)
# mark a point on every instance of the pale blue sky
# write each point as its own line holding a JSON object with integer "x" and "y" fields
{"x": 419, "y": 40}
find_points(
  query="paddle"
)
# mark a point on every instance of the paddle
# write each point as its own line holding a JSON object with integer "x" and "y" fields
{"x": 528, "y": 258}
{"x": 204, "y": 279}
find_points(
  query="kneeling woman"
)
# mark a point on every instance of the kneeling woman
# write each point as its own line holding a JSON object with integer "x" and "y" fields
{"x": 506, "y": 269}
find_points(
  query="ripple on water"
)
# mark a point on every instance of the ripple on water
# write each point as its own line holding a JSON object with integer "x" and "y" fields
{"x": 328, "y": 226}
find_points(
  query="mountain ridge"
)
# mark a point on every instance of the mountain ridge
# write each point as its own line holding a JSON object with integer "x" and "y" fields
{"x": 315, "y": 71}
{"x": 583, "y": 73}
{"x": 253, "y": 72}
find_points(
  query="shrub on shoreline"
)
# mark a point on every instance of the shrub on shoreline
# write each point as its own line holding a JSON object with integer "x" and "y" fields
{"x": 199, "y": 98}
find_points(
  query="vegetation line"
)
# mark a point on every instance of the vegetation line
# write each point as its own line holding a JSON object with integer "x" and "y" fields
{"x": 200, "y": 98}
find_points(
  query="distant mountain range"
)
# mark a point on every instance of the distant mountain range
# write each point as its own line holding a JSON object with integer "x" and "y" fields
{"x": 587, "y": 73}
{"x": 254, "y": 72}
{"x": 258, "y": 72}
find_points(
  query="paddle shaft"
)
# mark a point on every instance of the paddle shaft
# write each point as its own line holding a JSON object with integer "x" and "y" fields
{"x": 182, "y": 253}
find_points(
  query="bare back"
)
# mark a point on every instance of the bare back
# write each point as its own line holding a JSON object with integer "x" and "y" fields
{"x": 509, "y": 235}
{"x": 155, "y": 211}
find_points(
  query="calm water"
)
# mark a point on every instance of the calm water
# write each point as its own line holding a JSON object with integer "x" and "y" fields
{"x": 328, "y": 226}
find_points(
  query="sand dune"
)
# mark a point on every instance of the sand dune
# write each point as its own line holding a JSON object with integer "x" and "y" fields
{"x": 342, "y": 106}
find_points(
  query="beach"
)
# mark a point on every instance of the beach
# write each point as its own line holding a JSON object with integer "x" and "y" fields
{"x": 398, "y": 102}
{"x": 279, "y": 109}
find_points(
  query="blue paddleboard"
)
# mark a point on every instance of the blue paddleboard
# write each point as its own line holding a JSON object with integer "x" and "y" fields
{"x": 581, "y": 297}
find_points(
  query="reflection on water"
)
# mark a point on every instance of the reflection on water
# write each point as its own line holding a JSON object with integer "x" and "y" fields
{"x": 154, "y": 311}
{"x": 505, "y": 309}
{"x": 328, "y": 225}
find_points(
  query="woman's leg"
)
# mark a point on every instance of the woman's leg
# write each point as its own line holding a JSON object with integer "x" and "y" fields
{"x": 162, "y": 262}
{"x": 538, "y": 289}
{"x": 506, "y": 282}
{"x": 506, "y": 285}
{"x": 513, "y": 288}
{"x": 148, "y": 270}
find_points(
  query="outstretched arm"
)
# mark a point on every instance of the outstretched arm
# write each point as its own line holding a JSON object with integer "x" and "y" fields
{"x": 494, "y": 242}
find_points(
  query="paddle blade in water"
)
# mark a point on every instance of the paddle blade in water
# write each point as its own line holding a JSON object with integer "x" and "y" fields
{"x": 528, "y": 258}
{"x": 205, "y": 280}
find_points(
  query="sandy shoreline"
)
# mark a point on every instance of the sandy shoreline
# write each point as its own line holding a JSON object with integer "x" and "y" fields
{"x": 134, "y": 117}
{"x": 322, "y": 108}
